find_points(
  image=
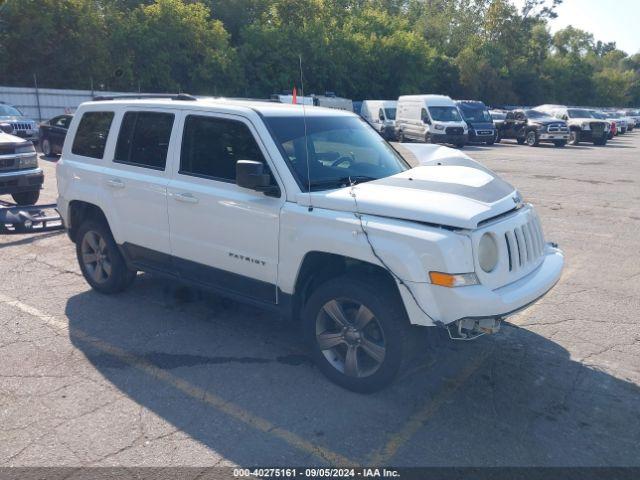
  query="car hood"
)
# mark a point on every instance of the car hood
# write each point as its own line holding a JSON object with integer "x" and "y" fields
{"x": 548, "y": 121}
{"x": 13, "y": 118}
{"x": 7, "y": 138}
{"x": 447, "y": 188}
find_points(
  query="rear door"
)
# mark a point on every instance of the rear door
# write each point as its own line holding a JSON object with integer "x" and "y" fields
{"x": 222, "y": 235}
{"x": 135, "y": 185}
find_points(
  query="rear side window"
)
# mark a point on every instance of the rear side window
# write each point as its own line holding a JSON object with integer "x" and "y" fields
{"x": 92, "y": 133}
{"x": 212, "y": 146}
{"x": 143, "y": 140}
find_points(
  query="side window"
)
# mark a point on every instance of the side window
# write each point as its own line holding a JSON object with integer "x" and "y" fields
{"x": 423, "y": 114}
{"x": 212, "y": 146}
{"x": 143, "y": 140}
{"x": 92, "y": 133}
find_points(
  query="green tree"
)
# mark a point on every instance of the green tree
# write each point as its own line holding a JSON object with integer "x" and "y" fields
{"x": 63, "y": 42}
{"x": 171, "y": 45}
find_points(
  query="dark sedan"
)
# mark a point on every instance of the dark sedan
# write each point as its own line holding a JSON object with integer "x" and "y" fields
{"x": 52, "y": 134}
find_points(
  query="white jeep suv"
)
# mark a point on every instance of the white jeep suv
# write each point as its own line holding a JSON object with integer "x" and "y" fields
{"x": 304, "y": 210}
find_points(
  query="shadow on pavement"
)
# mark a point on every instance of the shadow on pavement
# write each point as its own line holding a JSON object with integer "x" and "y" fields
{"x": 527, "y": 403}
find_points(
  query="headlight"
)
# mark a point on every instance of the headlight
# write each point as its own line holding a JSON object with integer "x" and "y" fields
{"x": 585, "y": 125}
{"x": 437, "y": 126}
{"x": 30, "y": 159}
{"x": 543, "y": 128}
{"x": 487, "y": 253}
{"x": 26, "y": 148}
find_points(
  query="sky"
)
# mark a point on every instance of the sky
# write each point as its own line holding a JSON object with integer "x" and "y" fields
{"x": 609, "y": 20}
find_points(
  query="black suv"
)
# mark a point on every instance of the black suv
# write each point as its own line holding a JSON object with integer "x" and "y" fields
{"x": 532, "y": 127}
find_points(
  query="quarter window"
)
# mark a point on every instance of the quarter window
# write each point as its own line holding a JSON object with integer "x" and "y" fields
{"x": 92, "y": 133}
{"x": 144, "y": 139}
{"x": 212, "y": 146}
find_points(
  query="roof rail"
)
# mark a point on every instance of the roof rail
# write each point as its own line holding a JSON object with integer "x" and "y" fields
{"x": 172, "y": 96}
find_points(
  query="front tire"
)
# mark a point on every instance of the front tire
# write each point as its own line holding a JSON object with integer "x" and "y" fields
{"x": 26, "y": 198}
{"x": 520, "y": 141}
{"x": 559, "y": 143}
{"x": 358, "y": 332}
{"x": 574, "y": 137}
{"x": 532, "y": 138}
{"x": 101, "y": 263}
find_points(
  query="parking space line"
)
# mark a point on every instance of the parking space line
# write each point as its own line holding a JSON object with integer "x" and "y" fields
{"x": 200, "y": 394}
{"x": 418, "y": 419}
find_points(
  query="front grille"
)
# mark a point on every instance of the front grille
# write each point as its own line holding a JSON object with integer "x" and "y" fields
{"x": 557, "y": 127}
{"x": 454, "y": 131}
{"x": 7, "y": 163}
{"x": 525, "y": 244}
{"x": 597, "y": 127}
{"x": 22, "y": 126}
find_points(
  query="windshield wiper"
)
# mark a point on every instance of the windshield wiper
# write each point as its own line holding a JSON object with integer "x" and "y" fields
{"x": 343, "y": 181}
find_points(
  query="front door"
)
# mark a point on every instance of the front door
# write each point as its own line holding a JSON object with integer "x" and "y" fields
{"x": 222, "y": 235}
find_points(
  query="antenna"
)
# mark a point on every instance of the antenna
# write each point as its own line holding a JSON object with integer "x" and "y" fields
{"x": 306, "y": 140}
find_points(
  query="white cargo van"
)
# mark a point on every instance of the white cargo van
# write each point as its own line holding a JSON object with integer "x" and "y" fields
{"x": 430, "y": 119}
{"x": 381, "y": 115}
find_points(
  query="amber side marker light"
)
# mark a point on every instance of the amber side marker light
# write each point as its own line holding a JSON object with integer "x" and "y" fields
{"x": 451, "y": 280}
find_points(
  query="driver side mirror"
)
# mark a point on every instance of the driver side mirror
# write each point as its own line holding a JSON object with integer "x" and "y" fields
{"x": 250, "y": 174}
{"x": 381, "y": 117}
{"x": 426, "y": 120}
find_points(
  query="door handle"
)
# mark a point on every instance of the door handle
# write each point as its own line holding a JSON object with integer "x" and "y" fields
{"x": 186, "y": 198}
{"x": 115, "y": 183}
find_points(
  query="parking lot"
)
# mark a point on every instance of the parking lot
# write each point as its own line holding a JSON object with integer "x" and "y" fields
{"x": 160, "y": 376}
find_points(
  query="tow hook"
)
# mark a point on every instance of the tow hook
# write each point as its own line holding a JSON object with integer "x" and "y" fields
{"x": 472, "y": 328}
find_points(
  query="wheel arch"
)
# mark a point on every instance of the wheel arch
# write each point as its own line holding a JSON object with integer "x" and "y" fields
{"x": 79, "y": 211}
{"x": 318, "y": 267}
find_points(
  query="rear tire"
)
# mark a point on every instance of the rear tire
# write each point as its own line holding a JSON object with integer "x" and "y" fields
{"x": 26, "y": 198}
{"x": 47, "y": 151}
{"x": 358, "y": 332}
{"x": 101, "y": 263}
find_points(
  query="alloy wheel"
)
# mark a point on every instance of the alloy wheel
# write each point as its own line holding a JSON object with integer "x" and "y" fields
{"x": 95, "y": 257}
{"x": 350, "y": 337}
{"x": 531, "y": 139}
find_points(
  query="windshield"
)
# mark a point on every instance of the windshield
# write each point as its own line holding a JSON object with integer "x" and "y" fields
{"x": 445, "y": 114}
{"x": 390, "y": 113}
{"x": 599, "y": 115}
{"x": 341, "y": 150}
{"x": 579, "y": 113}
{"x": 473, "y": 113}
{"x": 498, "y": 115}
{"x": 535, "y": 114}
{"x": 9, "y": 111}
